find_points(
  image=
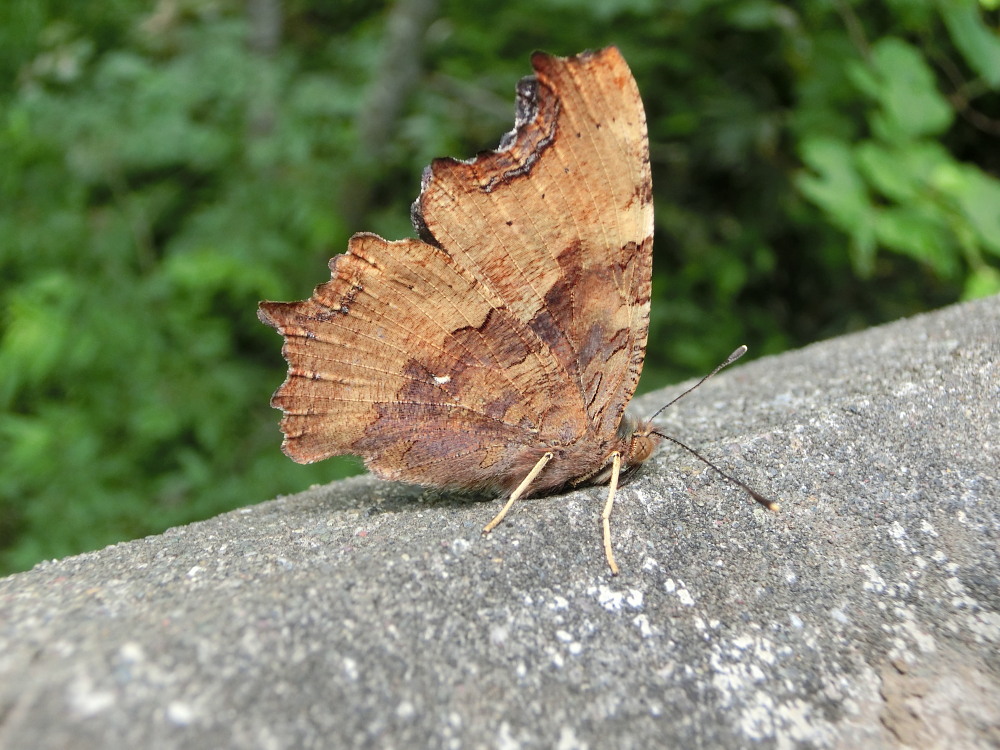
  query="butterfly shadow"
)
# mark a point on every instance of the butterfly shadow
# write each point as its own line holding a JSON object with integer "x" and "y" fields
{"x": 373, "y": 496}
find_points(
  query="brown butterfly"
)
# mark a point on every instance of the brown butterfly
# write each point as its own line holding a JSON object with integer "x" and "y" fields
{"x": 499, "y": 350}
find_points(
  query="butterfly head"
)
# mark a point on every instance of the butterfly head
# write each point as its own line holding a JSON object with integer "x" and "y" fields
{"x": 637, "y": 441}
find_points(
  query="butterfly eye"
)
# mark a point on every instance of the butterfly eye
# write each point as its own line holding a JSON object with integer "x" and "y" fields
{"x": 640, "y": 449}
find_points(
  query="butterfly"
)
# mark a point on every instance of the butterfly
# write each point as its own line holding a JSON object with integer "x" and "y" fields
{"x": 498, "y": 350}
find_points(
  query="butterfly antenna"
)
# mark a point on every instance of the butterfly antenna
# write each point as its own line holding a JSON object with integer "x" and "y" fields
{"x": 729, "y": 360}
{"x": 766, "y": 502}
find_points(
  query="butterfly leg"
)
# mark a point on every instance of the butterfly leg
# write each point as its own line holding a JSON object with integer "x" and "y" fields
{"x": 518, "y": 492}
{"x": 616, "y": 467}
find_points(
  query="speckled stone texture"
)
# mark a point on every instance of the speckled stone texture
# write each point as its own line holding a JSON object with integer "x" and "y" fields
{"x": 365, "y": 614}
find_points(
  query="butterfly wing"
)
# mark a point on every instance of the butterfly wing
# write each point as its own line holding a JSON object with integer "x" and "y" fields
{"x": 516, "y": 323}
{"x": 558, "y": 223}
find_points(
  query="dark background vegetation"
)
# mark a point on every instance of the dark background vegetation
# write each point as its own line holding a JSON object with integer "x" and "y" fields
{"x": 818, "y": 167}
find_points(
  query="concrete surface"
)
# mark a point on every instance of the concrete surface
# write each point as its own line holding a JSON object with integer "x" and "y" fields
{"x": 363, "y": 614}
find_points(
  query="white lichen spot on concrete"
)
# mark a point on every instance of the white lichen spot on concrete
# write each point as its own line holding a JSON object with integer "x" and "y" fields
{"x": 498, "y": 635}
{"x": 685, "y": 597}
{"x": 797, "y": 724}
{"x": 613, "y": 600}
{"x": 610, "y": 599}
{"x": 909, "y": 628}
{"x": 507, "y": 741}
{"x": 875, "y": 582}
{"x": 180, "y": 714}
{"x": 985, "y": 625}
{"x": 350, "y": 667}
{"x": 645, "y": 629}
{"x": 406, "y": 710}
{"x": 86, "y": 699}
{"x": 569, "y": 741}
{"x": 132, "y": 652}
{"x": 898, "y": 533}
{"x": 757, "y": 720}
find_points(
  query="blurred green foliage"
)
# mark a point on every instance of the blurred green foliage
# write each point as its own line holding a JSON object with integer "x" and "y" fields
{"x": 817, "y": 169}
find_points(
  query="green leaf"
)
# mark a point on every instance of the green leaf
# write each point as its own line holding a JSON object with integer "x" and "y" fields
{"x": 920, "y": 232}
{"x": 909, "y": 103}
{"x": 984, "y": 281}
{"x": 37, "y": 330}
{"x": 760, "y": 14}
{"x": 837, "y": 187}
{"x": 979, "y": 45}
{"x": 902, "y": 173}
{"x": 835, "y": 184}
{"x": 977, "y": 197}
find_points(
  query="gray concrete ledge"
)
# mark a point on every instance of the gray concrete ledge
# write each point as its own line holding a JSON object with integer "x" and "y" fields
{"x": 364, "y": 614}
